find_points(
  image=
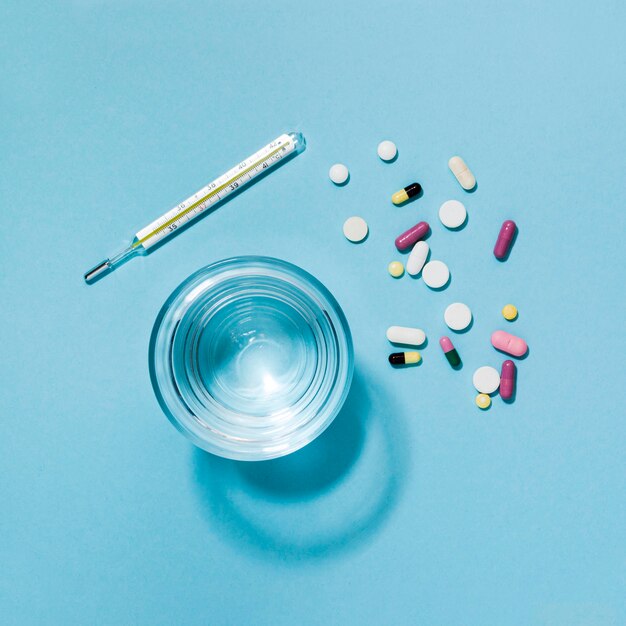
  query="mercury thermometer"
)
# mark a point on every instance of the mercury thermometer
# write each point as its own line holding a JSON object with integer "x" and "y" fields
{"x": 209, "y": 196}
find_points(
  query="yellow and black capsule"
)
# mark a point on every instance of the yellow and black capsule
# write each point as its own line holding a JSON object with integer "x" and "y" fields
{"x": 408, "y": 192}
{"x": 405, "y": 358}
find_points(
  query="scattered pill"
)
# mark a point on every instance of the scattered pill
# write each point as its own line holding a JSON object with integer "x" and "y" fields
{"x": 387, "y": 150}
{"x": 435, "y": 274}
{"x": 505, "y": 240}
{"x": 486, "y": 379}
{"x": 462, "y": 172}
{"x": 355, "y": 229}
{"x": 458, "y": 316}
{"x": 409, "y": 237}
{"x": 404, "y": 194}
{"x": 507, "y": 380}
{"x": 417, "y": 258}
{"x": 505, "y": 342}
{"x": 406, "y": 336}
{"x": 483, "y": 401}
{"x": 452, "y": 213}
{"x": 509, "y": 312}
{"x": 450, "y": 351}
{"x": 396, "y": 269}
{"x": 405, "y": 358}
{"x": 338, "y": 173}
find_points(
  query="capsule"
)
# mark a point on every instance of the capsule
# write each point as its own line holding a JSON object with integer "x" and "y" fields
{"x": 505, "y": 240}
{"x": 462, "y": 173}
{"x": 450, "y": 351}
{"x": 417, "y": 258}
{"x": 414, "y": 234}
{"x": 403, "y": 195}
{"x": 405, "y": 335}
{"x": 405, "y": 358}
{"x": 505, "y": 342}
{"x": 507, "y": 380}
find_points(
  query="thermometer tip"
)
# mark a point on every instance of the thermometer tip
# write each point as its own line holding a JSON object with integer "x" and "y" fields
{"x": 97, "y": 272}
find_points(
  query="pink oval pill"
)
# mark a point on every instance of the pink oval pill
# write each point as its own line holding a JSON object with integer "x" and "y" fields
{"x": 507, "y": 380}
{"x": 505, "y": 342}
{"x": 505, "y": 239}
{"x": 411, "y": 236}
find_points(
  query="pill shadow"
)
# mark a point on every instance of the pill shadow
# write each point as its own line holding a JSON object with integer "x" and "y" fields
{"x": 409, "y": 346}
{"x": 305, "y": 506}
{"x": 344, "y": 183}
{"x": 443, "y": 287}
{"x": 461, "y": 227}
{"x": 511, "y": 246}
{"x": 466, "y": 329}
{"x": 517, "y": 358}
{"x": 395, "y": 158}
{"x": 458, "y": 367}
{"x": 473, "y": 189}
{"x": 406, "y": 365}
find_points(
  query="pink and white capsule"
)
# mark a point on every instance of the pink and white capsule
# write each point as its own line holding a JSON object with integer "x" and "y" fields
{"x": 505, "y": 342}
{"x": 507, "y": 380}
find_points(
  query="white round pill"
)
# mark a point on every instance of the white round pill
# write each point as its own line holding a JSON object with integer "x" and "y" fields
{"x": 458, "y": 316}
{"x": 338, "y": 173}
{"x": 486, "y": 379}
{"x": 417, "y": 258}
{"x": 355, "y": 229}
{"x": 387, "y": 150}
{"x": 435, "y": 274}
{"x": 452, "y": 213}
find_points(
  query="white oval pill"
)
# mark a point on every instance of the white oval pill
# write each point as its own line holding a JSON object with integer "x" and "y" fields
{"x": 387, "y": 150}
{"x": 458, "y": 316}
{"x": 338, "y": 173}
{"x": 406, "y": 336}
{"x": 435, "y": 274}
{"x": 452, "y": 213}
{"x": 486, "y": 379}
{"x": 462, "y": 172}
{"x": 355, "y": 229}
{"x": 417, "y": 258}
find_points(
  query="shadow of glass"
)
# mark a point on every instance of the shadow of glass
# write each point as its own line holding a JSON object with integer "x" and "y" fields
{"x": 329, "y": 497}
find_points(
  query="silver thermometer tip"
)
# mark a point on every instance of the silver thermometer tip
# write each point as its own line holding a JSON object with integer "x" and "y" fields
{"x": 97, "y": 272}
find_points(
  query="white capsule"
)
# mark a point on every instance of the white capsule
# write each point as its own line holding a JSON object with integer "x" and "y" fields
{"x": 387, "y": 150}
{"x": 417, "y": 258}
{"x": 462, "y": 172}
{"x": 406, "y": 336}
{"x": 338, "y": 173}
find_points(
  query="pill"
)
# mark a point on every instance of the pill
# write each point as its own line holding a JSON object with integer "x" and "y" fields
{"x": 483, "y": 401}
{"x": 462, "y": 172}
{"x": 435, "y": 274}
{"x": 452, "y": 213}
{"x": 355, "y": 229}
{"x": 509, "y": 312}
{"x": 396, "y": 269}
{"x": 507, "y": 380}
{"x": 387, "y": 150}
{"x": 458, "y": 316}
{"x": 417, "y": 258}
{"x": 405, "y": 335}
{"x": 505, "y": 240}
{"x": 404, "y": 194}
{"x": 505, "y": 342}
{"x": 409, "y": 237}
{"x": 338, "y": 173}
{"x": 450, "y": 351}
{"x": 405, "y": 358}
{"x": 486, "y": 379}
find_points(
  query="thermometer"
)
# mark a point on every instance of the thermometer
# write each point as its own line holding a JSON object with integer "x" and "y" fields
{"x": 209, "y": 196}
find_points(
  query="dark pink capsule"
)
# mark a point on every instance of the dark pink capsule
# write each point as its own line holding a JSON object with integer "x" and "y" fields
{"x": 411, "y": 236}
{"x": 505, "y": 240}
{"x": 507, "y": 380}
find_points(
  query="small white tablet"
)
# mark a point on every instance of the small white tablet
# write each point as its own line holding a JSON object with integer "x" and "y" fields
{"x": 486, "y": 379}
{"x": 355, "y": 229}
{"x": 458, "y": 316}
{"x": 452, "y": 214}
{"x": 435, "y": 274}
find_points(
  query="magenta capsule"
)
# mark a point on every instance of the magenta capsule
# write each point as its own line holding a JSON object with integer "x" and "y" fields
{"x": 505, "y": 342}
{"x": 507, "y": 380}
{"x": 411, "y": 236}
{"x": 505, "y": 240}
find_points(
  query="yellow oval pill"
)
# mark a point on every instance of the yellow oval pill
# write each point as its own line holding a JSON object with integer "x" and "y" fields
{"x": 396, "y": 269}
{"x": 483, "y": 401}
{"x": 509, "y": 312}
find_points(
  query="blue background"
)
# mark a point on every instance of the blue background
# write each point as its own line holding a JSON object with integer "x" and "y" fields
{"x": 414, "y": 507}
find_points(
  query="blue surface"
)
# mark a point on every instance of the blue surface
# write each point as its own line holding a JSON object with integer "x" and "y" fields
{"x": 414, "y": 507}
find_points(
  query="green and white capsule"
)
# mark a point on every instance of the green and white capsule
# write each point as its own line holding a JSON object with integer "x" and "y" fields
{"x": 405, "y": 358}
